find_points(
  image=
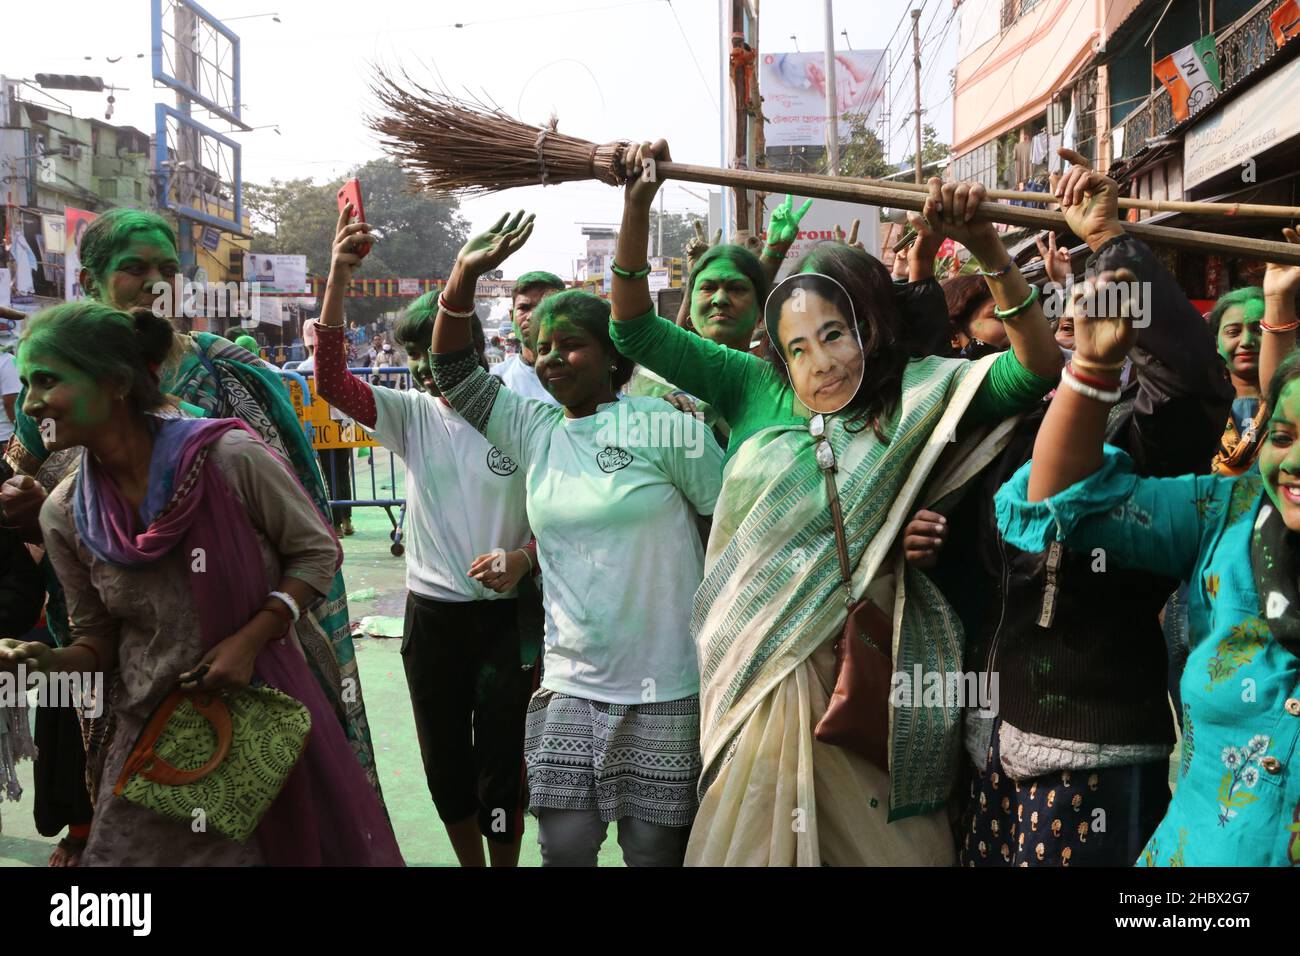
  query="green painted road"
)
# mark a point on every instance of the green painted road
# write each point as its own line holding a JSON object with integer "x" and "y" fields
{"x": 368, "y": 565}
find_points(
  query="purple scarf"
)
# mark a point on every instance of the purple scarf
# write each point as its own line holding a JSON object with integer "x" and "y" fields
{"x": 327, "y": 813}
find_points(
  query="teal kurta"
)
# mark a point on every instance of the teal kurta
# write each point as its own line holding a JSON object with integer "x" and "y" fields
{"x": 1237, "y": 795}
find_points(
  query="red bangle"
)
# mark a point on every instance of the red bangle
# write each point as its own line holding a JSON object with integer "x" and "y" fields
{"x": 1288, "y": 327}
{"x": 442, "y": 304}
{"x": 1092, "y": 380}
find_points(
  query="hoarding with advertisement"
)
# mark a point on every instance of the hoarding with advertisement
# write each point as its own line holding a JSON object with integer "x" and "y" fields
{"x": 1241, "y": 131}
{"x": 277, "y": 273}
{"x": 54, "y": 233}
{"x": 794, "y": 93}
{"x": 76, "y": 221}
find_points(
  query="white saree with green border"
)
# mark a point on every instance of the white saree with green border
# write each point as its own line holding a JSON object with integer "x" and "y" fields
{"x": 769, "y": 608}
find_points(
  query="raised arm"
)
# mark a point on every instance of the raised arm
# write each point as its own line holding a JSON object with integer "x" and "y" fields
{"x": 476, "y": 395}
{"x": 782, "y": 230}
{"x": 1069, "y": 444}
{"x": 952, "y": 210}
{"x": 1281, "y": 286}
{"x": 630, "y": 296}
{"x": 482, "y": 254}
{"x": 334, "y": 383}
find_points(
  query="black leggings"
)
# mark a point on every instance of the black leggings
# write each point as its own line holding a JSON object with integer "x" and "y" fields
{"x": 336, "y": 463}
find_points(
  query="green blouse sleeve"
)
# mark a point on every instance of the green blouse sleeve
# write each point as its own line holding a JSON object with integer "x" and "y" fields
{"x": 1008, "y": 389}
{"x": 728, "y": 379}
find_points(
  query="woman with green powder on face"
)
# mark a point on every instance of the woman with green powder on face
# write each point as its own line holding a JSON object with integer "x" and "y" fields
{"x": 614, "y": 488}
{"x": 152, "y": 490}
{"x": 1235, "y": 320}
{"x": 1236, "y": 541}
{"x": 1254, "y": 334}
{"x": 724, "y": 292}
{"x": 773, "y": 597}
{"x": 126, "y": 256}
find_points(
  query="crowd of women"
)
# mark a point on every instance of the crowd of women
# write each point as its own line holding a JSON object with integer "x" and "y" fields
{"x": 658, "y": 630}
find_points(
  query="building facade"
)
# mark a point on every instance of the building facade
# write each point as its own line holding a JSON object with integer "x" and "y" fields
{"x": 1033, "y": 75}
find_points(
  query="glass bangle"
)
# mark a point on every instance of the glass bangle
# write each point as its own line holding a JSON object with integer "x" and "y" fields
{"x": 1013, "y": 312}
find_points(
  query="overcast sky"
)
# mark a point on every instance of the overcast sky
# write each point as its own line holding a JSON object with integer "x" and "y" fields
{"x": 610, "y": 69}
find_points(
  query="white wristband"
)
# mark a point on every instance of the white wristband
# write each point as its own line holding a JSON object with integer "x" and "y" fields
{"x": 527, "y": 557}
{"x": 1088, "y": 391}
{"x": 289, "y": 602}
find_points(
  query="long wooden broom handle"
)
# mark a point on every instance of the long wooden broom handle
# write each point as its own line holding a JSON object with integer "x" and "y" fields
{"x": 1125, "y": 202}
{"x": 848, "y": 190}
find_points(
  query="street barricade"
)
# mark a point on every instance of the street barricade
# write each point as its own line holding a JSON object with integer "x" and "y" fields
{"x": 341, "y": 444}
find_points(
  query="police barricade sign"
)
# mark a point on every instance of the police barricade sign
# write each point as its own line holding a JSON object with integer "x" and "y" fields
{"x": 327, "y": 428}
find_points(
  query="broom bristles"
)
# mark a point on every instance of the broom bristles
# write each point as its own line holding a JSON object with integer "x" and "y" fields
{"x": 449, "y": 144}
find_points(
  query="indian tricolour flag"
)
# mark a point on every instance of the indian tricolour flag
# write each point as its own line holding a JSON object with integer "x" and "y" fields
{"x": 1191, "y": 76}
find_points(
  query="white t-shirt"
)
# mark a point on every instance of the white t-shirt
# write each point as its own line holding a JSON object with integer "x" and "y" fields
{"x": 9, "y": 385}
{"x": 463, "y": 497}
{"x": 521, "y": 378}
{"x": 614, "y": 516}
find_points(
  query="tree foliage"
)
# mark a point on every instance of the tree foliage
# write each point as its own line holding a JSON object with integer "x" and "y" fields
{"x": 678, "y": 231}
{"x": 421, "y": 233}
{"x": 932, "y": 150}
{"x": 863, "y": 154}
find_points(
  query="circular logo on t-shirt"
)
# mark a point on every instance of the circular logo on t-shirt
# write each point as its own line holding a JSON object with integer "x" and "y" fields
{"x": 501, "y": 464}
{"x": 613, "y": 459}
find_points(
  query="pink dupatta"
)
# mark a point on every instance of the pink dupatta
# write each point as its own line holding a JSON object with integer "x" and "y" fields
{"x": 327, "y": 813}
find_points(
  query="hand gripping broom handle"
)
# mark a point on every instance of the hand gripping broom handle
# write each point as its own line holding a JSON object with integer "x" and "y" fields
{"x": 824, "y": 187}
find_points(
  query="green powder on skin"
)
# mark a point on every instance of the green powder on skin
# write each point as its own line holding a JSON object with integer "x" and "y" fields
{"x": 559, "y": 326}
{"x": 87, "y": 408}
{"x": 721, "y": 272}
{"x": 1248, "y": 313}
{"x": 1270, "y": 459}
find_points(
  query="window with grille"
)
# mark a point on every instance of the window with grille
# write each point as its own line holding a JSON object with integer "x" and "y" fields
{"x": 1013, "y": 10}
{"x": 980, "y": 165}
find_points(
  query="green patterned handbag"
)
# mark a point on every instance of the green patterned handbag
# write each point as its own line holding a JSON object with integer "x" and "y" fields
{"x": 226, "y": 756}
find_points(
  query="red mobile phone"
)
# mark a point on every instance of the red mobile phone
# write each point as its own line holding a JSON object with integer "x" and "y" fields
{"x": 351, "y": 193}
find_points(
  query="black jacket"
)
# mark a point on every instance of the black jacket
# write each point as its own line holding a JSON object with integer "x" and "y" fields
{"x": 1078, "y": 650}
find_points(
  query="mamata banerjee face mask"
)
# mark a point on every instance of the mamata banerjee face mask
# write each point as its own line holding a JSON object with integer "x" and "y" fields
{"x": 811, "y": 323}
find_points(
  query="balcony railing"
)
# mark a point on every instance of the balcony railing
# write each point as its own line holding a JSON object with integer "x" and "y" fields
{"x": 1243, "y": 48}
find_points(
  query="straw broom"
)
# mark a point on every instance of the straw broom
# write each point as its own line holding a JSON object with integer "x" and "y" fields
{"x": 449, "y": 144}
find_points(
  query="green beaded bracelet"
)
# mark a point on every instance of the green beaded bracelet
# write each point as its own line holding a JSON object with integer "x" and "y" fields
{"x": 1012, "y": 313}
{"x": 624, "y": 274}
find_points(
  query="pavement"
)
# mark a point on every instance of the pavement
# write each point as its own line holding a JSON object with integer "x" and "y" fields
{"x": 377, "y": 578}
